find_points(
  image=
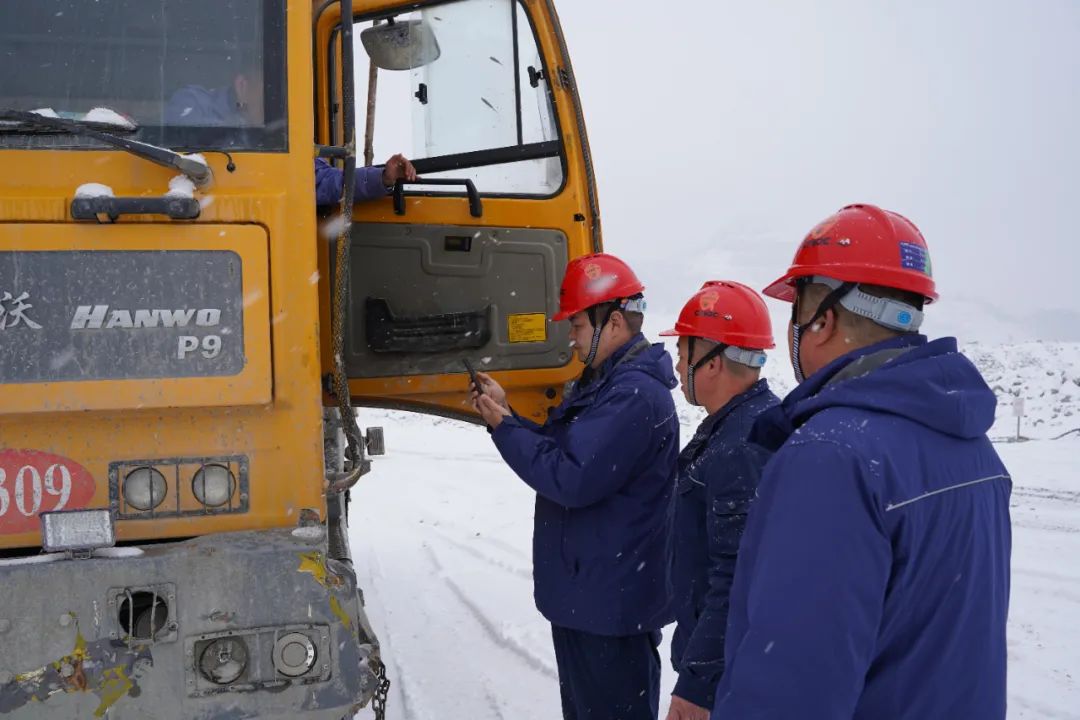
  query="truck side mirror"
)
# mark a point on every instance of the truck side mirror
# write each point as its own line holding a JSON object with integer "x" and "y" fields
{"x": 401, "y": 45}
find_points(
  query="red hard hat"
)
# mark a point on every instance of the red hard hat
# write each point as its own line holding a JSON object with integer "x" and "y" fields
{"x": 595, "y": 279}
{"x": 862, "y": 244}
{"x": 726, "y": 312}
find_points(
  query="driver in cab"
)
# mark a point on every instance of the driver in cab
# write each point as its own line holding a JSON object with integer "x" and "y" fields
{"x": 240, "y": 104}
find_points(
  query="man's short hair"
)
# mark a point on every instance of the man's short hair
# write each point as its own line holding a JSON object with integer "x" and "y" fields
{"x": 735, "y": 367}
{"x": 634, "y": 320}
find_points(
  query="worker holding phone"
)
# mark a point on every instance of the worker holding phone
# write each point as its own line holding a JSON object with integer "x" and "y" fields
{"x": 603, "y": 467}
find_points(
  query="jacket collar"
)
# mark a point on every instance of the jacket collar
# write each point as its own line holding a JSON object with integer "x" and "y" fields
{"x": 775, "y": 425}
{"x": 709, "y": 424}
{"x": 629, "y": 350}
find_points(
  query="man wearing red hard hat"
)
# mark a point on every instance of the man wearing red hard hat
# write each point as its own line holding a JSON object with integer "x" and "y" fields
{"x": 603, "y": 468}
{"x": 873, "y": 578}
{"x": 723, "y": 333}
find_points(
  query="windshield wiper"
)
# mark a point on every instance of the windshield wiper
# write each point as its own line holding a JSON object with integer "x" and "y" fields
{"x": 199, "y": 172}
{"x": 119, "y": 126}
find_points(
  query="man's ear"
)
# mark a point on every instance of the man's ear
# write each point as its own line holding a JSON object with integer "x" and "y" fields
{"x": 824, "y": 328}
{"x": 716, "y": 365}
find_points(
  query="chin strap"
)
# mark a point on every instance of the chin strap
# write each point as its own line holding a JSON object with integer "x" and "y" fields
{"x": 743, "y": 356}
{"x": 830, "y": 301}
{"x": 633, "y": 304}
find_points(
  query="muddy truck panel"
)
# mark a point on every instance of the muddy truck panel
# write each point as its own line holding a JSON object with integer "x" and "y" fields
{"x": 255, "y": 624}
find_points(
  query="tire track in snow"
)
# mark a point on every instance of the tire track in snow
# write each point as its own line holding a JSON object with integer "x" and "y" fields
{"x": 1047, "y": 575}
{"x": 493, "y": 703}
{"x": 470, "y": 533}
{"x": 1040, "y": 709}
{"x": 507, "y": 547}
{"x": 1041, "y": 493}
{"x": 1047, "y": 527}
{"x": 484, "y": 557}
{"x": 468, "y": 459}
{"x": 1061, "y": 594}
{"x": 498, "y": 637}
{"x": 394, "y": 671}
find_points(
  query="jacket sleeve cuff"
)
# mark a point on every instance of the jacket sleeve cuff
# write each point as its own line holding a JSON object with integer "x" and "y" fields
{"x": 696, "y": 690}
{"x": 524, "y": 421}
{"x": 369, "y": 184}
{"x": 502, "y": 433}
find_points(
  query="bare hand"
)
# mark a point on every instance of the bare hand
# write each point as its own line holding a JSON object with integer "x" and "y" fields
{"x": 397, "y": 168}
{"x": 685, "y": 710}
{"x": 492, "y": 412}
{"x": 491, "y": 388}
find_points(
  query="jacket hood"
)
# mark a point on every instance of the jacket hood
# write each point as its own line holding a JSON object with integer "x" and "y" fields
{"x": 654, "y": 360}
{"x": 930, "y": 383}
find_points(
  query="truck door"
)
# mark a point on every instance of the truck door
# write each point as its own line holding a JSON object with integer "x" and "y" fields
{"x": 467, "y": 262}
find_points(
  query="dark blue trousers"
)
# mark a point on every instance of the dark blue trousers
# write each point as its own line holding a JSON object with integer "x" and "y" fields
{"x": 608, "y": 678}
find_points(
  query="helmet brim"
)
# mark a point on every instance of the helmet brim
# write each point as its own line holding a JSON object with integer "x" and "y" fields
{"x": 781, "y": 289}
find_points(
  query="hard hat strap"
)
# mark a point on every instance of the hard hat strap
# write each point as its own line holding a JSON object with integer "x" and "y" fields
{"x": 750, "y": 358}
{"x": 692, "y": 367}
{"x": 630, "y": 304}
{"x": 744, "y": 356}
{"x": 598, "y": 328}
{"x": 887, "y": 312}
{"x": 827, "y": 304}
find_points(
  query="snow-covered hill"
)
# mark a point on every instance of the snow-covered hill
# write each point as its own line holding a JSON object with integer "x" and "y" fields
{"x": 1045, "y": 375}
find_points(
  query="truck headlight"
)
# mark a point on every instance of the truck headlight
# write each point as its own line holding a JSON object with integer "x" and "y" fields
{"x": 213, "y": 485}
{"x": 294, "y": 654}
{"x": 223, "y": 661}
{"x": 145, "y": 488}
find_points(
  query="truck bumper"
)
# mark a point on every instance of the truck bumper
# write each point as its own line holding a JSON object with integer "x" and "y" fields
{"x": 235, "y": 625}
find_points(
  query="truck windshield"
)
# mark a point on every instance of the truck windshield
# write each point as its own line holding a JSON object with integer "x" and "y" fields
{"x": 189, "y": 74}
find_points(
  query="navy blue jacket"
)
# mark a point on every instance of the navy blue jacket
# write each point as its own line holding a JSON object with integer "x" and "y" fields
{"x": 873, "y": 579}
{"x": 718, "y": 476}
{"x": 195, "y": 105}
{"x": 603, "y": 467}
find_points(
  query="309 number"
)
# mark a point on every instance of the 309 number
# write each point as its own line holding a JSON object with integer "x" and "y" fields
{"x": 28, "y": 489}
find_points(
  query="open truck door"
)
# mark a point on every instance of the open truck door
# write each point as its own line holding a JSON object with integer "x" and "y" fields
{"x": 465, "y": 263}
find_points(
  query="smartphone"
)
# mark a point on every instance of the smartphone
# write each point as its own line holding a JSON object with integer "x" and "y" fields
{"x": 472, "y": 376}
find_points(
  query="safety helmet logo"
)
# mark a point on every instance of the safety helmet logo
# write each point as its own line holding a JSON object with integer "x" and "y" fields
{"x": 822, "y": 228}
{"x": 708, "y": 300}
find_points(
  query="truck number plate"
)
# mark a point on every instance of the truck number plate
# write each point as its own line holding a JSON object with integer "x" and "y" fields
{"x": 32, "y": 482}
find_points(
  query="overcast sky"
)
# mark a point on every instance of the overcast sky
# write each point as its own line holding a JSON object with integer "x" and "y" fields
{"x": 723, "y": 131}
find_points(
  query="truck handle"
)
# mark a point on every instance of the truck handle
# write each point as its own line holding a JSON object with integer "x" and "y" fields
{"x": 108, "y": 209}
{"x": 476, "y": 209}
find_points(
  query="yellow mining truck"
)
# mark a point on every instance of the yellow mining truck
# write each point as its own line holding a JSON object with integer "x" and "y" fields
{"x": 184, "y": 333}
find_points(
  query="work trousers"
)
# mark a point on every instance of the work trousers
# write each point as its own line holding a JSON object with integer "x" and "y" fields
{"x": 608, "y": 678}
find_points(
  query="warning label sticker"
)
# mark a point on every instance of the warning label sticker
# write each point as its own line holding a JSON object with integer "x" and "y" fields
{"x": 527, "y": 327}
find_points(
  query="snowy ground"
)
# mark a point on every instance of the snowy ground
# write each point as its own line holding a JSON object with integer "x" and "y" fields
{"x": 441, "y": 535}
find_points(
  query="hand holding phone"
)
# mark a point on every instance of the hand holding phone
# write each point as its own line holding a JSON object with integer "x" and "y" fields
{"x": 472, "y": 376}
